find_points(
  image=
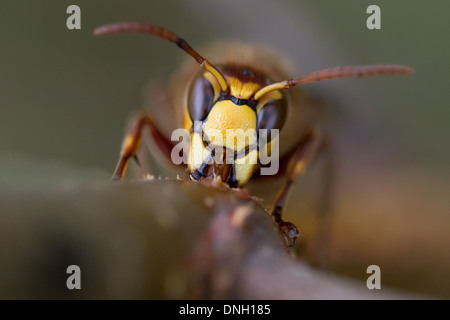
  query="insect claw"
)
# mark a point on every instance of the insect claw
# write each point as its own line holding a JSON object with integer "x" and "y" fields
{"x": 290, "y": 232}
{"x": 116, "y": 178}
{"x": 137, "y": 160}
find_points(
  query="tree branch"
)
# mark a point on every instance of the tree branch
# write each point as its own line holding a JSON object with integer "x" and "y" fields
{"x": 156, "y": 240}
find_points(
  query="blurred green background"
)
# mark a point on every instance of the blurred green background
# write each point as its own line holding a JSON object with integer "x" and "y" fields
{"x": 65, "y": 97}
{"x": 65, "y": 94}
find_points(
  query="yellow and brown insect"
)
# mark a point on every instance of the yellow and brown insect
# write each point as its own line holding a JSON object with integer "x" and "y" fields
{"x": 243, "y": 89}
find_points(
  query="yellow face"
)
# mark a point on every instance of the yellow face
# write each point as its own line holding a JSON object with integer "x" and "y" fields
{"x": 224, "y": 138}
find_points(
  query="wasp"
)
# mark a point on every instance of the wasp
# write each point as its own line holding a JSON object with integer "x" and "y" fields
{"x": 245, "y": 89}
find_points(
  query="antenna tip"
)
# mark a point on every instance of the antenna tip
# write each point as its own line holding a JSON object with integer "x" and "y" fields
{"x": 99, "y": 31}
{"x": 404, "y": 69}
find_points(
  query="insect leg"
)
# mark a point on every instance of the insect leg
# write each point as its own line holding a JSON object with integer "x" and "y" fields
{"x": 304, "y": 152}
{"x": 132, "y": 141}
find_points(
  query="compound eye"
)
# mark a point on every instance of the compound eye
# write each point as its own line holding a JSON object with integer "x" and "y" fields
{"x": 200, "y": 98}
{"x": 272, "y": 116}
